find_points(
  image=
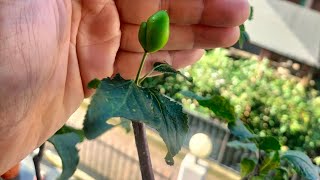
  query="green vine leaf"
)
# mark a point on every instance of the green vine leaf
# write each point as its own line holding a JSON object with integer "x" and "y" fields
{"x": 65, "y": 145}
{"x": 241, "y": 145}
{"x": 258, "y": 178}
{"x": 166, "y": 68}
{"x": 123, "y": 98}
{"x": 68, "y": 129}
{"x": 126, "y": 124}
{"x": 240, "y": 130}
{"x": 268, "y": 143}
{"x": 251, "y": 13}
{"x": 280, "y": 174}
{"x": 244, "y": 36}
{"x": 270, "y": 162}
{"x": 302, "y": 164}
{"x": 220, "y": 105}
{"x": 246, "y": 166}
{"x": 94, "y": 84}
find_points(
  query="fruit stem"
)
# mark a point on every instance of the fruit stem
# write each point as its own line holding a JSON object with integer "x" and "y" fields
{"x": 140, "y": 68}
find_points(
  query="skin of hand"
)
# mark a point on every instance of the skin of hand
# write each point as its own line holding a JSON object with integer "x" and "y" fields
{"x": 51, "y": 49}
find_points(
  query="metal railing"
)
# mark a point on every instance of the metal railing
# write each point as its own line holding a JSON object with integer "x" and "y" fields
{"x": 220, "y": 136}
{"x": 103, "y": 161}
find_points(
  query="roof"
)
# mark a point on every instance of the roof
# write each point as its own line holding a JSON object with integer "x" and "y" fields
{"x": 286, "y": 29}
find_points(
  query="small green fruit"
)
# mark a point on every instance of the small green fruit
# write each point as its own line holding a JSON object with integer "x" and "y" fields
{"x": 154, "y": 34}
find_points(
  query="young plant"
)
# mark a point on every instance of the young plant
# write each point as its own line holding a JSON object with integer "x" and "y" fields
{"x": 117, "y": 97}
{"x": 127, "y": 99}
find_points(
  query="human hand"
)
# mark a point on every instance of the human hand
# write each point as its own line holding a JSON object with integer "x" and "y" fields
{"x": 51, "y": 49}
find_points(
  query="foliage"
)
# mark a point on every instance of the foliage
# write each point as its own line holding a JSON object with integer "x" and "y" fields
{"x": 270, "y": 103}
{"x": 65, "y": 141}
{"x": 117, "y": 97}
{"x": 123, "y": 98}
{"x": 267, "y": 163}
{"x": 302, "y": 164}
{"x": 247, "y": 166}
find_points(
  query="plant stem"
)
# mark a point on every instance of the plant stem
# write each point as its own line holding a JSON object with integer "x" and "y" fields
{"x": 257, "y": 168}
{"x": 145, "y": 77}
{"x": 140, "y": 68}
{"x": 141, "y": 138}
{"x": 143, "y": 151}
{"x": 36, "y": 161}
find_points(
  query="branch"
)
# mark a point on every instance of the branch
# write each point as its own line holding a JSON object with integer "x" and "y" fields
{"x": 143, "y": 151}
{"x": 36, "y": 161}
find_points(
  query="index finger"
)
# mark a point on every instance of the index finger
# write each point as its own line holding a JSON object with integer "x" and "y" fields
{"x": 219, "y": 13}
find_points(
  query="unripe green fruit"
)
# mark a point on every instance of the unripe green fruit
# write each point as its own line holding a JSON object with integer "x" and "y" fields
{"x": 154, "y": 34}
{"x": 143, "y": 35}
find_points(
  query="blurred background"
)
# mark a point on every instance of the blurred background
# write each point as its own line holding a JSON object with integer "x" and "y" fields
{"x": 273, "y": 82}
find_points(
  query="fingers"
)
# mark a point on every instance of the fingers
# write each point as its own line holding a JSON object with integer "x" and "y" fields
{"x": 220, "y": 13}
{"x": 184, "y": 37}
{"x": 127, "y": 63}
{"x": 98, "y": 40}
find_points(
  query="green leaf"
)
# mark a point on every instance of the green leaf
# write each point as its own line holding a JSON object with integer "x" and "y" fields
{"x": 122, "y": 98}
{"x": 240, "y": 130}
{"x": 251, "y": 13}
{"x": 241, "y": 145}
{"x": 94, "y": 84}
{"x": 280, "y": 174}
{"x": 221, "y": 106}
{"x": 65, "y": 145}
{"x": 270, "y": 162}
{"x": 247, "y": 165}
{"x": 126, "y": 124}
{"x": 258, "y": 178}
{"x": 68, "y": 129}
{"x": 166, "y": 68}
{"x": 268, "y": 143}
{"x": 244, "y": 36}
{"x": 302, "y": 164}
